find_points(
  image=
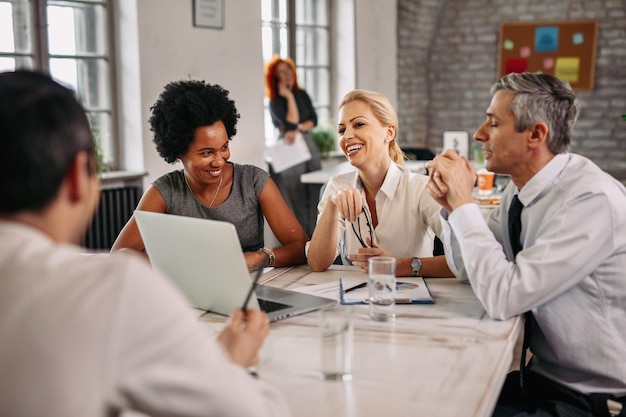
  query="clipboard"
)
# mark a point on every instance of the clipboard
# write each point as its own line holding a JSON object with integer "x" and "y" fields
{"x": 283, "y": 155}
{"x": 408, "y": 291}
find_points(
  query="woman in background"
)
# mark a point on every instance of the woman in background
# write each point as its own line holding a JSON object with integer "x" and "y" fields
{"x": 381, "y": 209}
{"x": 193, "y": 122}
{"x": 292, "y": 113}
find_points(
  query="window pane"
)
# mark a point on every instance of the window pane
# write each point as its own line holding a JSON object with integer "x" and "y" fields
{"x": 274, "y": 41}
{"x": 15, "y": 27}
{"x": 13, "y": 63}
{"x": 311, "y": 12}
{"x": 271, "y": 133}
{"x": 274, "y": 10}
{"x": 102, "y": 127}
{"x": 311, "y": 46}
{"x": 324, "y": 118}
{"x": 89, "y": 77}
{"x": 316, "y": 81}
{"x": 76, "y": 28}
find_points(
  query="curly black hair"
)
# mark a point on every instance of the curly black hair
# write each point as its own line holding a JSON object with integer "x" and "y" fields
{"x": 184, "y": 106}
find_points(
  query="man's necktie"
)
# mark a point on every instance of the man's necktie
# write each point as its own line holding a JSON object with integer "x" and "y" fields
{"x": 515, "y": 230}
{"x": 515, "y": 224}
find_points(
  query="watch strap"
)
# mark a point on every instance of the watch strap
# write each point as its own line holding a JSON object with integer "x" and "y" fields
{"x": 270, "y": 255}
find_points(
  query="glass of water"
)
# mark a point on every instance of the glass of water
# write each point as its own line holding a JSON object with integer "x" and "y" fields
{"x": 382, "y": 288}
{"x": 336, "y": 332}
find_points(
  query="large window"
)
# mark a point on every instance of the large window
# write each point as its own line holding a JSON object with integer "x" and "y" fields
{"x": 300, "y": 29}
{"x": 71, "y": 40}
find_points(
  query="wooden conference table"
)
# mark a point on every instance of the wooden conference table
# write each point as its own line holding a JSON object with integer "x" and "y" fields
{"x": 445, "y": 359}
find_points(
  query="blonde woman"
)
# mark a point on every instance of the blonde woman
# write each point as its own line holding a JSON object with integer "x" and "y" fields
{"x": 381, "y": 208}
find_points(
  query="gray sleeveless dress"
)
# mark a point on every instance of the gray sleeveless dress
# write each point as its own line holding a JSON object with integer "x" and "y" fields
{"x": 241, "y": 208}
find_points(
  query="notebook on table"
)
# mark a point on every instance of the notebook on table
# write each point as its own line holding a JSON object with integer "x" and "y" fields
{"x": 205, "y": 261}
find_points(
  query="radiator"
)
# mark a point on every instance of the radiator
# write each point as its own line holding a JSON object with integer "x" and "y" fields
{"x": 115, "y": 208}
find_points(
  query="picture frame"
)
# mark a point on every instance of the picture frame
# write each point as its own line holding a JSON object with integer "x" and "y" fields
{"x": 208, "y": 14}
{"x": 458, "y": 140}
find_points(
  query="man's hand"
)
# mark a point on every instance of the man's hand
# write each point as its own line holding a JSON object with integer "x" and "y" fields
{"x": 242, "y": 340}
{"x": 452, "y": 180}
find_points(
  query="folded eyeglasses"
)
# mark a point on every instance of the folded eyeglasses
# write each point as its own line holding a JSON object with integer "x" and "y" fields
{"x": 357, "y": 229}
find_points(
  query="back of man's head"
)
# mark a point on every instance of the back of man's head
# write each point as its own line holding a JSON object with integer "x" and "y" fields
{"x": 42, "y": 128}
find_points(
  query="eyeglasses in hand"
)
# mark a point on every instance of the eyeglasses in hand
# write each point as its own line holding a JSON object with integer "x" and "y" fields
{"x": 357, "y": 230}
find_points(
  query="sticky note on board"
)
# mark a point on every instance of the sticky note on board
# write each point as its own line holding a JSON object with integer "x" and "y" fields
{"x": 524, "y": 51}
{"x": 578, "y": 38}
{"x": 567, "y": 68}
{"x": 515, "y": 65}
{"x": 548, "y": 63}
{"x": 508, "y": 44}
{"x": 547, "y": 39}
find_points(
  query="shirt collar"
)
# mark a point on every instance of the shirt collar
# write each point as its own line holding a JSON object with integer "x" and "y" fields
{"x": 390, "y": 184}
{"x": 541, "y": 182}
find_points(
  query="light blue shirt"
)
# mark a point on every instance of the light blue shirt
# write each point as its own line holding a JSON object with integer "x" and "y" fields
{"x": 571, "y": 271}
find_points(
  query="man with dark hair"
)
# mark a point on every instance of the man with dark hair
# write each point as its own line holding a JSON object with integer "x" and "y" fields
{"x": 96, "y": 335}
{"x": 555, "y": 250}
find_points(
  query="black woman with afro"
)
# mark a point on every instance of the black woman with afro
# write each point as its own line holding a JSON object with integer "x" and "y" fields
{"x": 193, "y": 122}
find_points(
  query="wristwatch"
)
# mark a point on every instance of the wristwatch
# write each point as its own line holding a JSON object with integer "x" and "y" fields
{"x": 271, "y": 257}
{"x": 416, "y": 265}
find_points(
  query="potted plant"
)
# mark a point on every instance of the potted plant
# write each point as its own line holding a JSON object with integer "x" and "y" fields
{"x": 324, "y": 139}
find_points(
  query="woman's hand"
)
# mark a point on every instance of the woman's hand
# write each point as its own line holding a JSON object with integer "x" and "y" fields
{"x": 362, "y": 256}
{"x": 349, "y": 203}
{"x": 290, "y": 136}
{"x": 284, "y": 90}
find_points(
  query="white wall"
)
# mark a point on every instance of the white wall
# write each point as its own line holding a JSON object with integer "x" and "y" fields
{"x": 376, "y": 47}
{"x": 171, "y": 48}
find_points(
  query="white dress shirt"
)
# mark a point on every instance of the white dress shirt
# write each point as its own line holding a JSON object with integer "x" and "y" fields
{"x": 408, "y": 217}
{"x": 571, "y": 271}
{"x": 95, "y": 335}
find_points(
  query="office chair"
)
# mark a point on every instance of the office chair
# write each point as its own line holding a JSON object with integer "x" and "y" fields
{"x": 418, "y": 154}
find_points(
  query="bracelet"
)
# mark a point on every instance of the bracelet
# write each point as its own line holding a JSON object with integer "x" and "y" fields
{"x": 270, "y": 255}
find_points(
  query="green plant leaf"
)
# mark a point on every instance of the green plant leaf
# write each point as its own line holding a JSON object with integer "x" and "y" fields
{"x": 324, "y": 139}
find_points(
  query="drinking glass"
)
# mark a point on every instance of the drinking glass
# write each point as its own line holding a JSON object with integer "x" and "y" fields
{"x": 336, "y": 332}
{"x": 382, "y": 288}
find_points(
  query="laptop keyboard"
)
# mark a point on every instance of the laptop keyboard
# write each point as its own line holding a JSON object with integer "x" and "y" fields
{"x": 269, "y": 306}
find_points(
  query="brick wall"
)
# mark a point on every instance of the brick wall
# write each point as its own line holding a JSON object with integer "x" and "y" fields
{"x": 447, "y": 58}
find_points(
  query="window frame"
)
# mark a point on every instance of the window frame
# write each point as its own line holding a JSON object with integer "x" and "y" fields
{"x": 40, "y": 56}
{"x": 292, "y": 28}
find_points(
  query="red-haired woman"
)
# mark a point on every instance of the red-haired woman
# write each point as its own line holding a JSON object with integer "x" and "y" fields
{"x": 292, "y": 113}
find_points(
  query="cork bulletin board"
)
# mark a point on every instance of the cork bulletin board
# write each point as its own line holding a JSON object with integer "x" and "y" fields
{"x": 566, "y": 50}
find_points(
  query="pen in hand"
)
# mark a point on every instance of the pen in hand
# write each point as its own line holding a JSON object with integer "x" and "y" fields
{"x": 356, "y": 287}
{"x": 259, "y": 271}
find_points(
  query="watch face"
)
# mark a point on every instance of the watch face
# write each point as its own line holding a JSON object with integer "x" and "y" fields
{"x": 416, "y": 265}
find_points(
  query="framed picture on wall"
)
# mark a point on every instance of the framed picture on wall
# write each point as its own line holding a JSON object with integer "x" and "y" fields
{"x": 208, "y": 14}
{"x": 458, "y": 140}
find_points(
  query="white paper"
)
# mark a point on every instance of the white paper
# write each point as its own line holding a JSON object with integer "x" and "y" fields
{"x": 283, "y": 155}
{"x": 325, "y": 290}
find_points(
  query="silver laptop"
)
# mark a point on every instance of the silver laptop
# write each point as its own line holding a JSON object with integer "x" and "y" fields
{"x": 204, "y": 259}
